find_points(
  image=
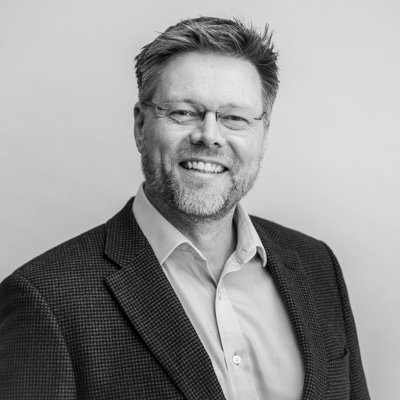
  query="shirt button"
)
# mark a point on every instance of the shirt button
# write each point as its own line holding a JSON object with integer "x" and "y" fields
{"x": 236, "y": 359}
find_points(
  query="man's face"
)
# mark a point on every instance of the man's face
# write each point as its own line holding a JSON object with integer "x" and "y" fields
{"x": 201, "y": 171}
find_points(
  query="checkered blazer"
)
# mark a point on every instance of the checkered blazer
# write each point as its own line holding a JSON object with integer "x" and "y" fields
{"x": 96, "y": 318}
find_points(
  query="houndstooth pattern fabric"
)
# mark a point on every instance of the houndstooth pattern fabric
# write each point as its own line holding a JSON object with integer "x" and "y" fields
{"x": 96, "y": 318}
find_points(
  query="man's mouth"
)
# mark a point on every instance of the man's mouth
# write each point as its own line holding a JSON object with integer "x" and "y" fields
{"x": 205, "y": 167}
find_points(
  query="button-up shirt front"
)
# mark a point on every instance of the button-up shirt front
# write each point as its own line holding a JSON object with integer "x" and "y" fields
{"x": 240, "y": 319}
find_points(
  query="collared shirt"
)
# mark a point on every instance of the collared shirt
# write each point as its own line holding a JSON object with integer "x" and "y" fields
{"x": 240, "y": 319}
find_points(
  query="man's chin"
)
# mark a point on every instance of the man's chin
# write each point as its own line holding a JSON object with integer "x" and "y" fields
{"x": 203, "y": 206}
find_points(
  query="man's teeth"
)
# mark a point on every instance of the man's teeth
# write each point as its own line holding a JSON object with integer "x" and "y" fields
{"x": 204, "y": 167}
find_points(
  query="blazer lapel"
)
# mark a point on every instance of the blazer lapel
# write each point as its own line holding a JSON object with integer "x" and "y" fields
{"x": 291, "y": 281}
{"x": 150, "y": 303}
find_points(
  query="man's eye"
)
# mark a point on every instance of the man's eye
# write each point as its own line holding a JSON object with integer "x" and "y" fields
{"x": 181, "y": 113}
{"x": 235, "y": 118}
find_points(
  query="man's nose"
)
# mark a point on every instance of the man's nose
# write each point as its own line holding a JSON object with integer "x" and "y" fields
{"x": 208, "y": 132}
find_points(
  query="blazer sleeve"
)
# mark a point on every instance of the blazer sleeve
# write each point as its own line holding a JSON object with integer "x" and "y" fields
{"x": 34, "y": 359}
{"x": 358, "y": 384}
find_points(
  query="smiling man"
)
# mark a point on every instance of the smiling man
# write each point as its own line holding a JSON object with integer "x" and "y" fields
{"x": 183, "y": 295}
{"x": 203, "y": 149}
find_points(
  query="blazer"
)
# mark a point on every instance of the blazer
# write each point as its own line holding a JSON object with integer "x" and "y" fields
{"x": 96, "y": 318}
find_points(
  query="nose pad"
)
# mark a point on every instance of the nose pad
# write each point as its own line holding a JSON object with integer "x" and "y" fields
{"x": 208, "y": 132}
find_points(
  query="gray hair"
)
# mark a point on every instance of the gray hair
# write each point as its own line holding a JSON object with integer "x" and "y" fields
{"x": 210, "y": 35}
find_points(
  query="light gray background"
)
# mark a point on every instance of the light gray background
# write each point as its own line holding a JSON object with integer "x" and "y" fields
{"x": 68, "y": 159}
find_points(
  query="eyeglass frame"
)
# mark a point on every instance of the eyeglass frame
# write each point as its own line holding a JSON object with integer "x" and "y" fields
{"x": 202, "y": 113}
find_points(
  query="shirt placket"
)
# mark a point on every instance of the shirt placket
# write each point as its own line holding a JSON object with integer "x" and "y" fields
{"x": 236, "y": 356}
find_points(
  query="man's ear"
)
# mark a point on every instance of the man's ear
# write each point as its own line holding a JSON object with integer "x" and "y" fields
{"x": 139, "y": 116}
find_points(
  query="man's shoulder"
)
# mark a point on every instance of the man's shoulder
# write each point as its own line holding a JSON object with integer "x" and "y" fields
{"x": 283, "y": 236}
{"x": 315, "y": 256}
{"x": 77, "y": 252}
{"x": 85, "y": 252}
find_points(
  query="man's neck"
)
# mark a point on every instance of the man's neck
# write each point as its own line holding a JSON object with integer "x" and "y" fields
{"x": 215, "y": 238}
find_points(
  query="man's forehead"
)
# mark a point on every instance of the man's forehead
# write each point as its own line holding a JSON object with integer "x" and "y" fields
{"x": 195, "y": 77}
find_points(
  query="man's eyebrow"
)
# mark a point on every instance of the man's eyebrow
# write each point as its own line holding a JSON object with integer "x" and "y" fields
{"x": 181, "y": 100}
{"x": 236, "y": 105}
{"x": 191, "y": 101}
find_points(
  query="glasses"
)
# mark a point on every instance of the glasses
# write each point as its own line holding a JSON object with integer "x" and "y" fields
{"x": 236, "y": 119}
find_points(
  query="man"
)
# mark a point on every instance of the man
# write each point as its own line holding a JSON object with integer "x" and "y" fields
{"x": 182, "y": 295}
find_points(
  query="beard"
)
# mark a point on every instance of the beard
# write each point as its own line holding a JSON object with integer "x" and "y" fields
{"x": 193, "y": 199}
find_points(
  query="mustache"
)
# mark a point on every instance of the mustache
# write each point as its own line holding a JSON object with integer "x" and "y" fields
{"x": 189, "y": 150}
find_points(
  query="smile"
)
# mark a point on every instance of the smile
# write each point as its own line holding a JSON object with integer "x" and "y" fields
{"x": 203, "y": 167}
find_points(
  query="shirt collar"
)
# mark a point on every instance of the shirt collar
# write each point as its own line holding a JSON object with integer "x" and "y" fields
{"x": 164, "y": 238}
{"x": 249, "y": 243}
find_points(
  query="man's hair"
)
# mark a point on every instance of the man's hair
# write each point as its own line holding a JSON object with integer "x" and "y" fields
{"x": 210, "y": 35}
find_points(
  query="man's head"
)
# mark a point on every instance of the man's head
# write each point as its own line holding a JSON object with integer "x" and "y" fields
{"x": 199, "y": 122}
{"x": 210, "y": 35}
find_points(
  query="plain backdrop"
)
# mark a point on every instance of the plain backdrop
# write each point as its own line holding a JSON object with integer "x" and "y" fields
{"x": 69, "y": 162}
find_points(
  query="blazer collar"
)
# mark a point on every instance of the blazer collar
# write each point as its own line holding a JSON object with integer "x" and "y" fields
{"x": 150, "y": 303}
{"x": 289, "y": 275}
